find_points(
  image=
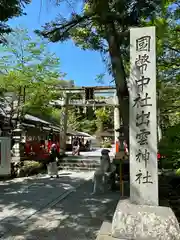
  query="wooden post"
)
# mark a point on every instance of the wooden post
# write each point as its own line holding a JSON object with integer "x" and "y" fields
{"x": 121, "y": 179}
{"x": 116, "y": 122}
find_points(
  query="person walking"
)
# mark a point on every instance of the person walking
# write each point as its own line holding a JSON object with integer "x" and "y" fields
{"x": 76, "y": 146}
{"x": 52, "y": 166}
{"x": 79, "y": 146}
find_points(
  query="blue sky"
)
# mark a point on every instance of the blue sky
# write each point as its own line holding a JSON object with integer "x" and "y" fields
{"x": 80, "y": 66}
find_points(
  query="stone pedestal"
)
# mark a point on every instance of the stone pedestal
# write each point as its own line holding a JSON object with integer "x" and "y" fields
{"x": 105, "y": 232}
{"x": 143, "y": 222}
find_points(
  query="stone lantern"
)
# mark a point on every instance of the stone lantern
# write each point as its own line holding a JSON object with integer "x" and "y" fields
{"x": 121, "y": 138}
{"x": 17, "y": 133}
{"x": 121, "y": 141}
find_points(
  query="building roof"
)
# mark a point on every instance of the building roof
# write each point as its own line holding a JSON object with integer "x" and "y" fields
{"x": 84, "y": 134}
{"x": 35, "y": 119}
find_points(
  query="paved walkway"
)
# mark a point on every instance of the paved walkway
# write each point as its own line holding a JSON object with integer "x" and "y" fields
{"x": 38, "y": 208}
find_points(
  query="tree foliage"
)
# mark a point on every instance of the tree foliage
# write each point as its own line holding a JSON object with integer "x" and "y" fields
{"x": 168, "y": 62}
{"x": 31, "y": 72}
{"x": 8, "y": 10}
{"x": 170, "y": 147}
{"x": 104, "y": 26}
{"x": 168, "y": 51}
{"x": 104, "y": 118}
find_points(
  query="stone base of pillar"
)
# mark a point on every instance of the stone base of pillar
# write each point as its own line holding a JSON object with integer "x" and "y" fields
{"x": 143, "y": 222}
{"x": 140, "y": 222}
{"x": 105, "y": 232}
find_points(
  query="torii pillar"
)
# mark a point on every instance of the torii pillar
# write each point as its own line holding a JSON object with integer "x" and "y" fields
{"x": 63, "y": 124}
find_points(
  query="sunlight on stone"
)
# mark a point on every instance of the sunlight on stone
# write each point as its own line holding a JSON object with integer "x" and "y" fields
{"x": 106, "y": 200}
{"x": 67, "y": 186}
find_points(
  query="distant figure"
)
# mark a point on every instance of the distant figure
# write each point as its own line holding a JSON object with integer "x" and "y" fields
{"x": 52, "y": 166}
{"x": 53, "y": 152}
{"x": 90, "y": 145}
{"x": 87, "y": 146}
{"x": 42, "y": 144}
{"x": 76, "y": 146}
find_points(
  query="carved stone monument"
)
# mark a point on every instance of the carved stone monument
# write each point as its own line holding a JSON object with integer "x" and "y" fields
{"x": 142, "y": 121}
{"x": 140, "y": 217}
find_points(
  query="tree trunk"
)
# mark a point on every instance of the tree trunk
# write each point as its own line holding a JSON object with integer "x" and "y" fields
{"x": 119, "y": 77}
{"x": 116, "y": 61}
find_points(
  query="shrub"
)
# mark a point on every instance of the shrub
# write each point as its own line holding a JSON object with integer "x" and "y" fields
{"x": 169, "y": 146}
{"x": 106, "y": 145}
{"x": 178, "y": 172}
{"x": 30, "y": 168}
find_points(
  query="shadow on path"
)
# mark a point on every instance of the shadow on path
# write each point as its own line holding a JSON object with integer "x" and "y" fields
{"x": 76, "y": 217}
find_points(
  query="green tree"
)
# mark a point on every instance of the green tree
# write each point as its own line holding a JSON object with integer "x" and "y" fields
{"x": 30, "y": 71}
{"x": 168, "y": 62}
{"x": 8, "y": 10}
{"x": 168, "y": 57}
{"x": 88, "y": 126}
{"x": 104, "y": 26}
{"x": 103, "y": 118}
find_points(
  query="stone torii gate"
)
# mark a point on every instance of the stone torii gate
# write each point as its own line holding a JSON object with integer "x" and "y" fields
{"x": 66, "y": 101}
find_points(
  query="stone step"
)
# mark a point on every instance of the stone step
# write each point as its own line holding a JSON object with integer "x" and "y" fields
{"x": 84, "y": 159}
{"x": 80, "y": 165}
{"x": 84, "y": 163}
{"x": 71, "y": 168}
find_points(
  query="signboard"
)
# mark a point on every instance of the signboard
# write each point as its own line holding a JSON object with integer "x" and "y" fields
{"x": 143, "y": 126}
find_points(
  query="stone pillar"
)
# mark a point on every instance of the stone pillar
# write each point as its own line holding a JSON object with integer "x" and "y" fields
{"x": 140, "y": 217}
{"x": 143, "y": 120}
{"x": 63, "y": 124}
{"x": 16, "y": 150}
